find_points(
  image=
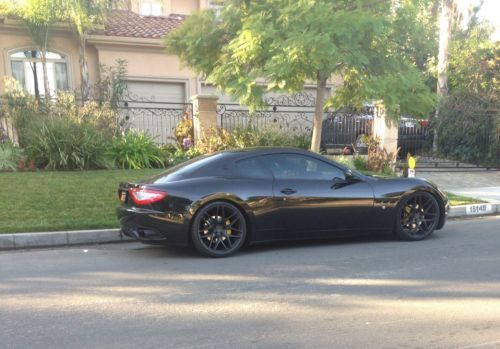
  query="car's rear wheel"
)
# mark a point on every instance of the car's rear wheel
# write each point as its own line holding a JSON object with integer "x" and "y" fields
{"x": 219, "y": 229}
{"x": 417, "y": 216}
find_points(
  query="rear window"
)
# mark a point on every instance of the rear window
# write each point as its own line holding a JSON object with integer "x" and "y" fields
{"x": 187, "y": 168}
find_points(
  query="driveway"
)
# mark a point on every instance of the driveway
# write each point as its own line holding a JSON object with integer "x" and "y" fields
{"x": 357, "y": 293}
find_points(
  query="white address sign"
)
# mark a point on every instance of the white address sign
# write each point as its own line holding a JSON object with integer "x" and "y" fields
{"x": 479, "y": 209}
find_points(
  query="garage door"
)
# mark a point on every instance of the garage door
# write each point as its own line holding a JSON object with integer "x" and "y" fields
{"x": 155, "y": 108}
{"x": 166, "y": 92}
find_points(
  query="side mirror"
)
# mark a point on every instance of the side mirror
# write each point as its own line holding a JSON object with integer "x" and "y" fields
{"x": 342, "y": 182}
{"x": 339, "y": 182}
{"x": 349, "y": 176}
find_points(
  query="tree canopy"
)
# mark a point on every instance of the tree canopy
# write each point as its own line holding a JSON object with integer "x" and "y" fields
{"x": 287, "y": 43}
{"x": 475, "y": 61}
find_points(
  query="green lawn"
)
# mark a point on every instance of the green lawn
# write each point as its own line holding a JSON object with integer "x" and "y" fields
{"x": 49, "y": 201}
{"x": 456, "y": 200}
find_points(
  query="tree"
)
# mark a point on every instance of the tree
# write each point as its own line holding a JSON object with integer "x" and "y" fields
{"x": 469, "y": 122}
{"x": 84, "y": 16}
{"x": 445, "y": 23}
{"x": 474, "y": 63}
{"x": 290, "y": 42}
{"x": 38, "y": 16}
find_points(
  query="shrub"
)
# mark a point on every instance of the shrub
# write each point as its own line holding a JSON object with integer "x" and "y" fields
{"x": 9, "y": 156}
{"x": 101, "y": 116}
{"x": 343, "y": 160}
{"x": 360, "y": 163}
{"x": 469, "y": 128}
{"x": 301, "y": 141}
{"x": 184, "y": 131}
{"x": 379, "y": 160}
{"x": 180, "y": 155}
{"x": 63, "y": 144}
{"x": 69, "y": 136}
{"x": 136, "y": 150}
{"x": 270, "y": 137}
{"x": 215, "y": 140}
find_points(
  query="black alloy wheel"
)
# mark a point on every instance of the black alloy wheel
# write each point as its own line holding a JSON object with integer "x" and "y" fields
{"x": 418, "y": 216}
{"x": 219, "y": 229}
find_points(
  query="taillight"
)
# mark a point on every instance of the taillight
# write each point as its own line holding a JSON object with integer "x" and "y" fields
{"x": 146, "y": 196}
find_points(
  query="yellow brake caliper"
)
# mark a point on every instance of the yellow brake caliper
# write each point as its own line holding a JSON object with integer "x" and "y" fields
{"x": 228, "y": 222}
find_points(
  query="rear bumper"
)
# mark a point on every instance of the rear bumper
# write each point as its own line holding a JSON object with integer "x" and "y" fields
{"x": 153, "y": 227}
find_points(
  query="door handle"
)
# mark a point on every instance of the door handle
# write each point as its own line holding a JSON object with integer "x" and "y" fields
{"x": 288, "y": 191}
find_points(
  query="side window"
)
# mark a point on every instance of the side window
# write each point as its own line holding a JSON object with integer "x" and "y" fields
{"x": 295, "y": 166}
{"x": 252, "y": 168}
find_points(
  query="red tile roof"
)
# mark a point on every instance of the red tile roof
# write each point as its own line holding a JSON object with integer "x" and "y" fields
{"x": 130, "y": 24}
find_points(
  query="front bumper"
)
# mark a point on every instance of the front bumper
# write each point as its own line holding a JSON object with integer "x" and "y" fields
{"x": 444, "y": 215}
{"x": 153, "y": 227}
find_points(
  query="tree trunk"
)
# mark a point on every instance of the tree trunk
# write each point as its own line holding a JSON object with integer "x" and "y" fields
{"x": 46, "y": 86}
{"x": 318, "y": 113}
{"x": 444, "y": 41}
{"x": 35, "y": 77}
{"x": 84, "y": 71}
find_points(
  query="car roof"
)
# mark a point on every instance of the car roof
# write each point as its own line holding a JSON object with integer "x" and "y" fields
{"x": 266, "y": 150}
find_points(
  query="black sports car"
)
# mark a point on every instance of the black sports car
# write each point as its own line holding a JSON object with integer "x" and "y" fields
{"x": 219, "y": 202}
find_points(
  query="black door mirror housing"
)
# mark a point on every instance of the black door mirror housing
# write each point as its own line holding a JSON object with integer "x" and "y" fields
{"x": 349, "y": 176}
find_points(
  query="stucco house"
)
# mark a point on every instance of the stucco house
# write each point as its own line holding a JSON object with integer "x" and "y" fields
{"x": 132, "y": 32}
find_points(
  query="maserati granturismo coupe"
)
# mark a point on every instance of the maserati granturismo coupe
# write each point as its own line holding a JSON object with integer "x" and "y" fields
{"x": 220, "y": 202}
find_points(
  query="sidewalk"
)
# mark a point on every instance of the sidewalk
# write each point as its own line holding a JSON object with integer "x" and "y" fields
{"x": 484, "y": 185}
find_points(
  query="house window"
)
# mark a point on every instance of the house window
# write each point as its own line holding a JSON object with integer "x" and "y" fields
{"x": 150, "y": 8}
{"x": 27, "y": 69}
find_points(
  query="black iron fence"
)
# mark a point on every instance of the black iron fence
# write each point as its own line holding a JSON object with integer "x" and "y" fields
{"x": 345, "y": 130}
{"x": 414, "y": 137}
{"x": 288, "y": 119}
{"x": 158, "y": 119}
{"x": 294, "y": 114}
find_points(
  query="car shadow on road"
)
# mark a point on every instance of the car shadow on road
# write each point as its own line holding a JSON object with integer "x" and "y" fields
{"x": 165, "y": 251}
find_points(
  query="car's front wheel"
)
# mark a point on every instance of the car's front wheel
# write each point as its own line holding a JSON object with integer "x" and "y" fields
{"x": 417, "y": 216}
{"x": 219, "y": 229}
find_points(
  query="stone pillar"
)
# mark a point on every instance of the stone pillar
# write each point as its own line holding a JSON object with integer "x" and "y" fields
{"x": 385, "y": 130}
{"x": 204, "y": 115}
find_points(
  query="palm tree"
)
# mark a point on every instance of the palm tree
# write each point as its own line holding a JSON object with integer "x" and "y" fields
{"x": 85, "y": 16}
{"x": 38, "y": 16}
{"x": 450, "y": 14}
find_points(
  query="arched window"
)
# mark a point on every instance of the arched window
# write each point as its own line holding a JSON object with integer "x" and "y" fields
{"x": 26, "y": 66}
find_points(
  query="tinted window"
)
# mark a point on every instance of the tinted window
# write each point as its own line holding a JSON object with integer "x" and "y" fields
{"x": 252, "y": 168}
{"x": 187, "y": 168}
{"x": 295, "y": 166}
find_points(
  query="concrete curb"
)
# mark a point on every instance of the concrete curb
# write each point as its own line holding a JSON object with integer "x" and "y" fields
{"x": 87, "y": 237}
{"x": 465, "y": 210}
{"x": 60, "y": 238}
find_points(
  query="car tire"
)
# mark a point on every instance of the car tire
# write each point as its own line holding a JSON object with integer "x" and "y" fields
{"x": 417, "y": 216}
{"x": 219, "y": 229}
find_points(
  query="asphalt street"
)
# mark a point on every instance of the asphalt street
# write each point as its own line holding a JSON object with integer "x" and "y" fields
{"x": 357, "y": 293}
